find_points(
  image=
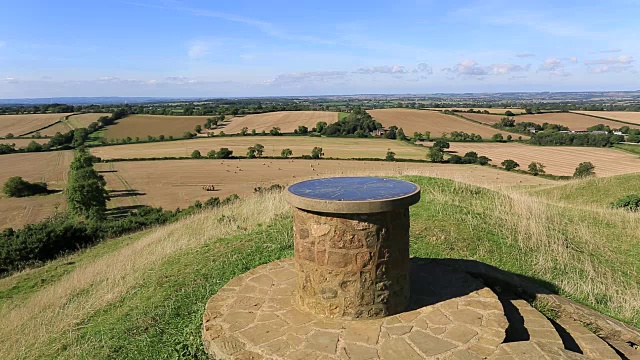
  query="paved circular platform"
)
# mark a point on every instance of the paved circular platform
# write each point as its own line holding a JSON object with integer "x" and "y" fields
{"x": 353, "y": 195}
{"x": 450, "y": 315}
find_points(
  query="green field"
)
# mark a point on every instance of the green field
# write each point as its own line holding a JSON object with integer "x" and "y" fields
{"x": 634, "y": 149}
{"x": 112, "y": 302}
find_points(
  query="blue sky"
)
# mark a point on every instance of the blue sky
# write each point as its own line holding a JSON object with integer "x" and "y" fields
{"x": 262, "y": 48}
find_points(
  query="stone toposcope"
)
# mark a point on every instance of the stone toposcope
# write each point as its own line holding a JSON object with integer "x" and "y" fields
{"x": 351, "y": 245}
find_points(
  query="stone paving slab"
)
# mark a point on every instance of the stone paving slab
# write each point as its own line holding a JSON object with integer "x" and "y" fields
{"x": 451, "y": 315}
{"x": 534, "y": 350}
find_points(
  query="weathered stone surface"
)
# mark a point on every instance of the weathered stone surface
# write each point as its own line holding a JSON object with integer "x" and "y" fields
{"x": 352, "y": 266}
{"x": 286, "y": 332}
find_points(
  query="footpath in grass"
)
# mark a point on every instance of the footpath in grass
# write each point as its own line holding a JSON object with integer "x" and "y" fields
{"x": 161, "y": 318}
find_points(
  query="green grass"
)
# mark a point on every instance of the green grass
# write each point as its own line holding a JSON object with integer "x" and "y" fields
{"x": 160, "y": 318}
{"x": 342, "y": 115}
{"x": 634, "y": 149}
{"x": 596, "y": 191}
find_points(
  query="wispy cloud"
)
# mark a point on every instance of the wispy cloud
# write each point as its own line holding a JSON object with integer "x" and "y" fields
{"x": 525, "y": 55}
{"x": 472, "y": 68}
{"x": 11, "y": 80}
{"x": 551, "y": 65}
{"x": 610, "y": 51}
{"x": 199, "y": 48}
{"x": 624, "y": 59}
{"x": 302, "y": 78}
{"x": 383, "y": 69}
{"x": 601, "y": 69}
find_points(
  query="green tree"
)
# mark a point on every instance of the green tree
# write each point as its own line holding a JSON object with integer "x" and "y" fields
{"x": 18, "y": 187}
{"x": 255, "y": 151}
{"x": 86, "y": 192}
{"x": 584, "y": 169}
{"x": 483, "y": 160}
{"x": 302, "y": 129}
{"x": 212, "y": 154}
{"x": 198, "y": 129}
{"x": 497, "y": 137}
{"x": 435, "y": 154}
{"x": 33, "y": 147}
{"x": 285, "y": 153}
{"x": 320, "y": 126}
{"x": 196, "y": 154}
{"x": 244, "y": 131}
{"x": 509, "y": 164}
{"x": 253, "y": 132}
{"x": 391, "y": 156}
{"x": 9, "y": 136}
{"x": 224, "y": 153}
{"x": 509, "y": 113}
{"x": 188, "y": 135}
{"x": 427, "y": 135}
{"x": 275, "y": 131}
{"x": 441, "y": 144}
{"x": 509, "y": 137}
{"x": 317, "y": 153}
{"x": 536, "y": 168}
{"x": 400, "y": 134}
{"x": 417, "y": 136}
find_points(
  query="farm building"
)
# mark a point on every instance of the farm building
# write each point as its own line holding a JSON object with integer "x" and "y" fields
{"x": 379, "y": 132}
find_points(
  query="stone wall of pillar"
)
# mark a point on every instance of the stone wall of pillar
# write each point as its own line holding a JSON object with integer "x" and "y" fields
{"x": 352, "y": 266}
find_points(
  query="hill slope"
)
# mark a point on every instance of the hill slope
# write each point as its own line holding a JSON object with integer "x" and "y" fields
{"x": 142, "y": 296}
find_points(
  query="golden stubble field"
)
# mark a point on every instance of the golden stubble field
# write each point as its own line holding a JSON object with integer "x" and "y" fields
{"x": 83, "y": 120}
{"x": 499, "y": 111}
{"x": 287, "y": 121}
{"x": 155, "y": 125}
{"x": 178, "y": 183}
{"x": 273, "y": 145}
{"x": 483, "y": 118}
{"x": 425, "y": 120}
{"x": 628, "y": 116}
{"x": 570, "y": 120}
{"x": 560, "y": 160}
{"x": 51, "y": 167}
{"x": 26, "y": 123}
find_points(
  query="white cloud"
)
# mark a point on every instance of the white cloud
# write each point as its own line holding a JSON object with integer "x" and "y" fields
{"x": 199, "y": 48}
{"x": 10, "y": 80}
{"x": 573, "y": 59}
{"x": 424, "y": 68}
{"x": 551, "y": 65}
{"x": 559, "y": 73}
{"x": 624, "y": 59}
{"x": 108, "y": 79}
{"x": 384, "y": 69}
{"x": 471, "y": 68}
{"x": 610, "y": 51}
{"x": 525, "y": 55}
{"x": 609, "y": 69}
{"x": 300, "y": 78}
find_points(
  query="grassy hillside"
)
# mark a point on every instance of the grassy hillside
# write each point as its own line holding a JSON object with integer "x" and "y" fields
{"x": 142, "y": 296}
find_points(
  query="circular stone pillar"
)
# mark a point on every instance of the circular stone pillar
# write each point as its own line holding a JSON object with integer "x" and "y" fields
{"x": 351, "y": 241}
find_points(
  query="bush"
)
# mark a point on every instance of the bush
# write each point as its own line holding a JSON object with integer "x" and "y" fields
{"x": 441, "y": 144}
{"x": 196, "y": 154}
{"x": 536, "y": 168}
{"x": 317, "y": 153}
{"x": 285, "y": 153}
{"x": 391, "y": 156}
{"x": 224, "y": 153}
{"x": 584, "y": 169}
{"x": 629, "y": 202}
{"x": 18, "y": 187}
{"x": 435, "y": 154}
{"x": 212, "y": 154}
{"x": 510, "y": 164}
{"x": 483, "y": 160}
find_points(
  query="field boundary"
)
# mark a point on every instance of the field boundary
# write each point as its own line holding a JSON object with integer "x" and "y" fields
{"x": 60, "y": 120}
{"x": 604, "y": 118}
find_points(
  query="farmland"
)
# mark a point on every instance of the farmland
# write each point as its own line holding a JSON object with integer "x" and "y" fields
{"x": 83, "y": 120}
{"x": 273, "y": 145}
{"x": 498, "y": 111}
{"x": 22, "y": 142}
{"x": 627, "y": 116}
{"x": 561, "y": 160}
{"x": 570, "y": 120}
{"x": 483, "y": 118}
{"x": 154, "y": 125}
{"x": 424, "y": 120}
{"x": 287, "y": 121}
{"x": 61, "y": 127}
{"x": 51, "y": 167}
{"x": 178, "y": 183}
{"x": 23, "y": 124}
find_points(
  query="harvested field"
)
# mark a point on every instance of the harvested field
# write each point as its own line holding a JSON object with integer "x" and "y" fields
{"x": 570, "y": 120}
{"x": 83, "y": 120}
{"x": 178, "y": 183}
{"x": 287, "y": 121}
{"x": 483, "y": 118}
{"x": 273, "y": 145}
{"x": 155, "y": 125}
{"x": 559, "y": 160}
{"x": 627, "y": 116}
{"x": 23, "y": 124}
{"x": 424, "y": 120}
{"x": 61, "y": 127}
{"x": 18, "y": 212}
{"x": 51, "y": 167}
{"x": 20, "y": 143}
{"x": 499, "y": 111}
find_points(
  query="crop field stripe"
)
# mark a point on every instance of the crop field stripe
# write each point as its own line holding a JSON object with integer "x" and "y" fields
{"x": 606, "y": 118}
